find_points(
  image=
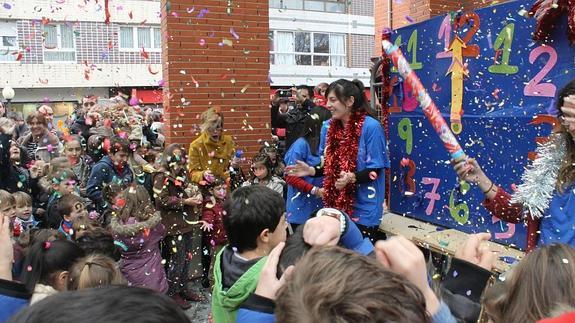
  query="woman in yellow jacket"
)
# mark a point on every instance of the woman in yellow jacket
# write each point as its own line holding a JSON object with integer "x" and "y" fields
{"x": 212, "y": 152}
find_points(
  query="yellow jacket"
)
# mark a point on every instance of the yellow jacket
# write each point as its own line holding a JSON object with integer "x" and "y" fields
{"x": 205, "y": 154}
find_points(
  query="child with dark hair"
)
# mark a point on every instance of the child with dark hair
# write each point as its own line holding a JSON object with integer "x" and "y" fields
{"x": 111, "y": 168}
{"x": 110, "y": 193}
{"x": 63, "y": 183}
{"x": 47, "y": 265}
{"x": 138, "y": 226}
{"x": 75, "y": 151}
{"x": 100, "y": 240}
{"x": 214, "y": 234}
{"x": 262, "y": 174}
{"x": 255, "y": 223}
{"x": 70, "y": 207}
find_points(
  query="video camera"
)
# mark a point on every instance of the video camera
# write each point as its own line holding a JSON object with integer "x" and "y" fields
{"x": 285, "y": 94}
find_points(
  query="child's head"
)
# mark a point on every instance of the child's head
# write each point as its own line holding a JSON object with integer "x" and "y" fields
{"x": 49, "y": 262}
{"x": 271, "y": 151}
{"x": 332, "y": 284}
{"x": 64, "y": 182}
{"x": 71, "y": 207}
{"x": 82, "y": 224}
{"x": 99, "y": 240}
{"x": 255, "y": 219}
{"x": 134, "y": 202}
{"x": 74, "y": 146}
{"x": 119, "y": 151}
{"x": 216, "y": 188}
{"x": 94, "y": 270}
{"x": 7, "y": 205}
{"x": 174, "y": 158}
{"x": 295, "y": 248}
{"x": 23, "y": 205}
{"x": 262, "y": 166}
{"x": 542, "y": 280}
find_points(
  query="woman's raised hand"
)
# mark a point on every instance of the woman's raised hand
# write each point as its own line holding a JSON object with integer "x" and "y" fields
{"x": 300, "y": 169}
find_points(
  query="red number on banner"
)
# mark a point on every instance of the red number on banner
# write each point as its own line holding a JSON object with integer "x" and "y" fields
{"x": 409, "y": 101}
{"x": 470, "y": 50}
{"x": 433, "y": 195}
{"x": 534, "y": 88}
{"x": 445, "y": 33}
{"x": 504, "y": 235}
{"x": 409, "y": 181}
{"x": 543, "y": 119}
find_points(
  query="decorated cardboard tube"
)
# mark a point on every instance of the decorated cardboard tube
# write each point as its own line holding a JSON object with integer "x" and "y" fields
{"x": 429, "y": 108}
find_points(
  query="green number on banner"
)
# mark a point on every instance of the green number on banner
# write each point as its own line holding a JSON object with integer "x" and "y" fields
{"x": 412, "y": 48}
{"x": 504, "y": 38}
{"x": 397, "y": 43}
{"x": 459, "y": 212}
{"x": 405, "y": 133}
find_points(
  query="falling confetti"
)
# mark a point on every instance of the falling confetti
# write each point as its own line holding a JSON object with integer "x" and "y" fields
{"x": 202, "y": 13}
{"x": 233, "y": 32}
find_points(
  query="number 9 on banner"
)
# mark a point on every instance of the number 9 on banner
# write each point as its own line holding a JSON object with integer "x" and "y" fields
{"x": 406, "y": 133}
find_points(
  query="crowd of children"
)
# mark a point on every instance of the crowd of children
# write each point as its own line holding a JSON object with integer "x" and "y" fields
{"x": 102, "y": 209}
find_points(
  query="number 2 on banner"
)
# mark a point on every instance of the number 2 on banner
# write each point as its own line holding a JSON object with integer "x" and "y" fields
{"x": 504, "y": 38}
{"x": 534, "y": 88}
{"x": 405, "y": 133}
{"x": 432, "y": 196}
{"x": 459, "y": 212}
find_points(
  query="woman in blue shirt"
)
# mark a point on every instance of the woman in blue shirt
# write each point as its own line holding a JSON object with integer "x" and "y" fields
{"x": 355, "y": 158}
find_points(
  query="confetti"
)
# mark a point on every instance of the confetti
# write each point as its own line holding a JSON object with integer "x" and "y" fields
{"x": 202, "y": 42}
{"x": 233, "y": 32}
{"x": 409, "y": 19}
{"x": 144, "y": 53}
{"x": 190, "y": 10}
{"x": 7, "y": 6}
{"x": 151, "y": 71}
{"x": 202, "y": 13}
{"x": 245, "y": 88}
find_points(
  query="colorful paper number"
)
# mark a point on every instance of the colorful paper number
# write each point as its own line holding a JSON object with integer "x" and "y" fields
{"x": 445, "y": 34}
{"x": 406, "y": 133}
{"x": 469, "y": 17}
{"x": 504, "y": 235}
{"x": 534, "y": 88}
{"x": 459, "y": 212}
{"x": 504, "y": 38}
{"x": 543, "y": 119}
{"x": 409, "y": 182}
{"x": 409, "y": 103}
{"x": 433, "y": 195}
{"x": 412, "y": 49}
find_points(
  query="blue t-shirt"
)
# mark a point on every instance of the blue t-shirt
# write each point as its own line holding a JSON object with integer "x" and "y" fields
{"x": 300, "y": 205}
{"x": 558, "y": 224}
{"x": 372, "y": 153}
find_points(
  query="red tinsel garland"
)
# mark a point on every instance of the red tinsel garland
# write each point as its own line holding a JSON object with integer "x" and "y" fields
{"x": 341, "y": 156}
{"x": 548, "y": 13}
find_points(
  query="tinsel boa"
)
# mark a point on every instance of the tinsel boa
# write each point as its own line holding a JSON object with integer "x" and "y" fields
{"x": 540, "y": 178}
{"x": 341, "y": 156}
{"x": 548, "y": 13}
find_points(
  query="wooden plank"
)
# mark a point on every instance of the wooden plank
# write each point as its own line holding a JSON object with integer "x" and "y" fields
{"x": 443, "y": 241}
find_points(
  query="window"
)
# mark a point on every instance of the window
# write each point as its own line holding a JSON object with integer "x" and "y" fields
{"x": 304, "y": 48}
{"x": 8, "y": 42}
{"x": 136, "y": 38}
{"x": 337, "y": 6}
{"x": 59, "y": 43}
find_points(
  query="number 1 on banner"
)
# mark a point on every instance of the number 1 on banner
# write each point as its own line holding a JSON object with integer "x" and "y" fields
{"x": 445, "y": 34}
{"x": 432, "y": 196}
{"x": 504, "y": 38}
{"x": 412, "y": 49}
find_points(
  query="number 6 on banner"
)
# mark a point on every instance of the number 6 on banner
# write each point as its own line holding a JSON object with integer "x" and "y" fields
{"x": 455, "y": 210}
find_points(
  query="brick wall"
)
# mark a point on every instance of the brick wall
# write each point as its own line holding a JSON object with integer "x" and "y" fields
{"x": 417, "y": 10}
{"x": 361, "y": 7}
{"x": 233, "y": 78}
{"x": 360, "y": 52}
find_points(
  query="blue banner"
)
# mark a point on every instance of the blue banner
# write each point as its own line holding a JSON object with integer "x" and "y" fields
{"x": 496, "y": 87}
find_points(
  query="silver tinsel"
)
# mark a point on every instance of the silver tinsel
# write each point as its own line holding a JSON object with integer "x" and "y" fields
{"x": 540, "y": 178}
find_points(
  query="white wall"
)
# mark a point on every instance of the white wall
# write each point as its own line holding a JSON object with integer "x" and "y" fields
{"x": 321, "y": 21}
{"x": 57, "y": 94}
{"x": 72, "y": 75}
{"x": 284, "y": 75}
{"x": 77, "y": 10}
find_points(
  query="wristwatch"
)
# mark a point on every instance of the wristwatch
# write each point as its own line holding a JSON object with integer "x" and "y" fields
{"x": 336, "y": 214}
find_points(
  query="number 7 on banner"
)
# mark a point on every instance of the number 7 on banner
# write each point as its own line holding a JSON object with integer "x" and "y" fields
{"x": 433, "y": 195}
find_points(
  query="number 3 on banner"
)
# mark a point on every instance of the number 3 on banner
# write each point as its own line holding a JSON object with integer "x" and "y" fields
{"x": 459, "y": 212}
{"x": 534, "y": 88}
